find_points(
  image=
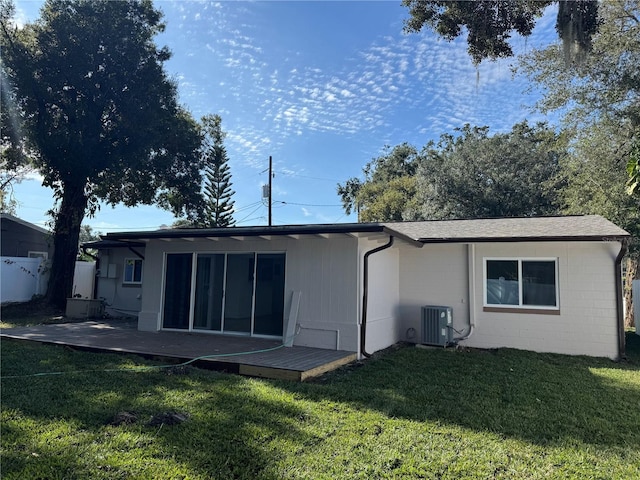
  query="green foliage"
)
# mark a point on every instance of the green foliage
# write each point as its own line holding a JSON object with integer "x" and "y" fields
{"x": 601, "y": 102}
{"x": 218, "y": 207}
{"x": 472, "y": 175}
{"x": 606, "y": 85}
{"x": 87, "y": 235}
{"x": 633, "y": 170}
{"x": 100, "y": 115}
{"x": 490, "y": 23}
{"x": 410, "y": 413}
{"x": 475, "y": 175}
{"x": 387, "y": 201}
{"x": 596, "y": 177}
{"x": 388, "y": 188}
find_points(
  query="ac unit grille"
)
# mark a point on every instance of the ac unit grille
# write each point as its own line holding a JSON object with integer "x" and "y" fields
{"x": 437, "y": 325}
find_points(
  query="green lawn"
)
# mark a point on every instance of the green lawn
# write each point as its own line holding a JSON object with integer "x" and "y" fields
{"x": 410, "y": 413}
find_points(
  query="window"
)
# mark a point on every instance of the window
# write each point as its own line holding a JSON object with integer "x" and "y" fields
{"x": 132, "y": 271}
{"x": 521, "y": 283}
{"x": 43, "y": 255}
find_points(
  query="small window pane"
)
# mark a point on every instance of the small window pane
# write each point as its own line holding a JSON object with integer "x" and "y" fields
{"x": 539, "y": 283}
{"x": 132, "y": 271}
{"x": 502, "y": 282}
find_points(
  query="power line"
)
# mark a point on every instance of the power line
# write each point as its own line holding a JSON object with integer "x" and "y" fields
{"x": 293, "y": 174}
{"x": 309, "y": 204}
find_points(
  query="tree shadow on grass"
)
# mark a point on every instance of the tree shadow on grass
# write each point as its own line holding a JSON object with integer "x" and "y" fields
{"x": 544, "y": 399}
{"x": 230, "y": 421}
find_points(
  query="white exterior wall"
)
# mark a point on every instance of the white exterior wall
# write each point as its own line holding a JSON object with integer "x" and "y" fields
{"x": 120, "y": 299}
{"x": 383, "y": 297}
{"x": 432, "y": 275}
{"x": 587, "y": 323}
{"x": 323, "y": 270}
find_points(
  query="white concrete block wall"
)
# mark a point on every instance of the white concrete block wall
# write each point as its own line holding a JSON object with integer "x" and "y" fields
{"x": 432, "y": 275}
{"x": 384, "y": 293}
{"x": 587, "y": 323}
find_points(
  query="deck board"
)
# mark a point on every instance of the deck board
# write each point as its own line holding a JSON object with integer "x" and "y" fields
{"x": 264, "y": 358}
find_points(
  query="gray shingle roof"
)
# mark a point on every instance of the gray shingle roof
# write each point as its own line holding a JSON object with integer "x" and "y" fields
{"x": 587, "y": 227}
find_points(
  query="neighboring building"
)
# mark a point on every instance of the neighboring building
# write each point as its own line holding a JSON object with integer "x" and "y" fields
{"x": 25, "y": 249}
{"x": 548, "y": 284}
{"x": 23, "y": 239}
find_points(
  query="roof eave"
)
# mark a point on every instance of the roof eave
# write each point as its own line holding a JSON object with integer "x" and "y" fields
{"x": 580, "y": 238}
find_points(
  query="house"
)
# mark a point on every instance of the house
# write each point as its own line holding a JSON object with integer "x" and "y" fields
{"x": 548, "y": 284}
{"x": 24, "y": 250}
{"x": 24, "y": 239}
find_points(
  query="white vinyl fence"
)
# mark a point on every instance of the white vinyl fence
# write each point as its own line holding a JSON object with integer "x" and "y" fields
{"x": 21, "y": 278}
{"x": 83, "y": 278}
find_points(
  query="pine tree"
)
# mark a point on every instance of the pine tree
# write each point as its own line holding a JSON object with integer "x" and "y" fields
{"x": 218, "y": 194}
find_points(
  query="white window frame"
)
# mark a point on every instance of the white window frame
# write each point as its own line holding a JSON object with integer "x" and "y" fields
{"x": 520, "y": 305}
{"x": 124, "y": 271}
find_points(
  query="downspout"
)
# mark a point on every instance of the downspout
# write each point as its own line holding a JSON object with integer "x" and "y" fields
{"x": 619, "y": 299}
{"x": 365, "y": 294}
{"x": 471, "y": 292}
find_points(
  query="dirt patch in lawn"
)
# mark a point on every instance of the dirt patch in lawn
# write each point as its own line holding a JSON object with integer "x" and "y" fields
{"x": 35, "y": 312}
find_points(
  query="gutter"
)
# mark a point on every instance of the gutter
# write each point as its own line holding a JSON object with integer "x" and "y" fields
{"x": 365, "y": 294}
{"x": 619, "y": 298}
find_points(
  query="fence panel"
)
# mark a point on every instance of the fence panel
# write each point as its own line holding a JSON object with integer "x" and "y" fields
{"x": 83, "y": 277}
{"x": 21, "y": 278}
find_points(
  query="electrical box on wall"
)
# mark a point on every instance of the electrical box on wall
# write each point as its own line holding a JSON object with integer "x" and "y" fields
{"x": 103, "y": 271}
{"x": 112, "y": 270}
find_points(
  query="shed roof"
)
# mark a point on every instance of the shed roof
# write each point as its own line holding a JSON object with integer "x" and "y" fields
{"x": 4, "y": 217}
{"x": 561, "y": 228}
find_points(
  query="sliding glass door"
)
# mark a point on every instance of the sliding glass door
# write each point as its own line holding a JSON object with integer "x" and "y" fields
{"x": 269, "y": 305}
{"x": 238, "y": 297}
{"x": 240, "y": 293}
{"x": 207, "y": 313}
{"x": 177, "y": 291}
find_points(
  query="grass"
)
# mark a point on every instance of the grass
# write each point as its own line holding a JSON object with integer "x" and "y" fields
{"x": 35, "y": 312}
{"x": 410, "y": 413}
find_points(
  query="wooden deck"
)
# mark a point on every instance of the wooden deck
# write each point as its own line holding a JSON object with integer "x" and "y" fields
{"x": 235, "y": 354}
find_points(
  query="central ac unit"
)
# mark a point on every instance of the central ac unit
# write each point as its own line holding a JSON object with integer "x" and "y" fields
{"x": 437, "y": 325}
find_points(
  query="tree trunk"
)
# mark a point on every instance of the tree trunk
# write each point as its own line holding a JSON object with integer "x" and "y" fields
{"x": 65, "y": 242}
{"x": 631, "y": 273}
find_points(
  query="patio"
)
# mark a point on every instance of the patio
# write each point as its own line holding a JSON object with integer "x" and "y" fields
{"x": 249, "y": 356}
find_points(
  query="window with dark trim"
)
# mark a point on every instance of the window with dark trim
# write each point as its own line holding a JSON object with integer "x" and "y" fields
{"x": 521, "y": 283}
{"x": 132, "y": 271}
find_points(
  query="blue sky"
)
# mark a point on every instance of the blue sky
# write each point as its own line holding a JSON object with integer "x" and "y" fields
{"x": 322, "y": 87}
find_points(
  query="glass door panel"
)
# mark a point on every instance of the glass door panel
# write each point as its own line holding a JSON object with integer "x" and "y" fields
{"x": 269, "y": 308}
{"x": 177, "y": 291}
{"x": 209, "y": 292}
{"x": 238, "y": 299}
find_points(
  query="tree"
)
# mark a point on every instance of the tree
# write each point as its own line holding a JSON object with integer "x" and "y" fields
{"x": 633, "y": 169}
{"x": 218, "y": 207}
{"x": 490, "y": 23}
{"x": 596, "y": 179}
{"x": 100, "y": 114}
{"x": 472, "y": 175}
{"x": 388, "y": 187}
{"x": 475, "y": 175}
{"x": 87, "y": 235}
{"x": 600, "y": 99}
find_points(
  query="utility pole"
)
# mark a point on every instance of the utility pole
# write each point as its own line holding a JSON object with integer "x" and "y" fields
{"x": 270, "y": 184}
